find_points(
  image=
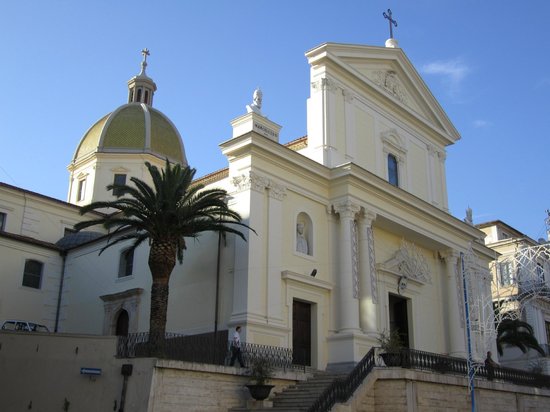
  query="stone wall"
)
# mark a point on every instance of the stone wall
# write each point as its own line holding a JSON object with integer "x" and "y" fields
{"x": 192, "y": 387}
{"x": 403, "y": 390}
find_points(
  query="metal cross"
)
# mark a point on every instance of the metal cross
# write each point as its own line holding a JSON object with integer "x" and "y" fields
{"x": 388, "y": 16}
{"x": 145, "y": 53}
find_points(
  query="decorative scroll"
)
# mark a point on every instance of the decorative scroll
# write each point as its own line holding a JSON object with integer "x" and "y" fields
{"x": 276, "y": 190}
{"x": 258, "y": 183}
{"x": 354, "y": 259}
{"x": 372, "y": 261}
{"x": 324, "y": 84}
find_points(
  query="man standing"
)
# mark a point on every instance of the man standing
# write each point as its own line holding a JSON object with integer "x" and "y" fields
{"x": 236, "y": 348}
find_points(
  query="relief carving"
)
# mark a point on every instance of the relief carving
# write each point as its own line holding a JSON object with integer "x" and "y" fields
{"x": 389, "y": 81}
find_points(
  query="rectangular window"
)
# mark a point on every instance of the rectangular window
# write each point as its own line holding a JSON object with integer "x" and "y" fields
{"x": 3, "y": 217}
{"x": 81, "y": 190}
{"x": 547, "y": 326}
{"x": 32, "y": 276}
{"x": 126, "y": 264}
{"x": 506, "y": 278}
{"x": 120, "y": 180}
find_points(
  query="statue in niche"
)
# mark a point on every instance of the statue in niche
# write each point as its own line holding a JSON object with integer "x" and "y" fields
{"x": 256, "y": 105}
{"x": 301, "y": 241}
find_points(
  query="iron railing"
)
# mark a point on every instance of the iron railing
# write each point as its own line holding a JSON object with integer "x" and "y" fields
{"x": 206, "y": 348}
{"x": 342, "y": 389}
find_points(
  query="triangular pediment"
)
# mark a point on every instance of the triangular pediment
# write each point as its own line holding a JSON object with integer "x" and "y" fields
{"x": 389, "y": 73}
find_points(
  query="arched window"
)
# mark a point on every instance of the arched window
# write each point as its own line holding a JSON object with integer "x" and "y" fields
{"x": 393, "y": 172}
{"x": 146, "y": 101}
{"x": 139, "y": 96}
{"x": 122, "y": 323}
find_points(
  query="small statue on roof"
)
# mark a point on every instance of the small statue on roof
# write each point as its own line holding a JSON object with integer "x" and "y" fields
{"x": 256, "y": 105}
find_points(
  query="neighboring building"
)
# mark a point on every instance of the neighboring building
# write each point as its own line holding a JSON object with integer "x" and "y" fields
{"x": 354, "y": 235}
{"x": 521, "y": 286}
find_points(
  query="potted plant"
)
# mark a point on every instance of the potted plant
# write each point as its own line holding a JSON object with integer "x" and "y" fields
{"x": 261, "y": 370}
{"x": 391, "y": 345}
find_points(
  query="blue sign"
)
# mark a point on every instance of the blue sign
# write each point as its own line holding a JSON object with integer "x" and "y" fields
{"x": 90, "y": 371}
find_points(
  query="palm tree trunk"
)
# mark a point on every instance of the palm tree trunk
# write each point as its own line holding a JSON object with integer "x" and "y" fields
{"x": 162, "y": 259}
{"x": 159, "y": 308}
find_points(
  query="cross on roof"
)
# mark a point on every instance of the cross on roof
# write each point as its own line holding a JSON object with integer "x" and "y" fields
{"x": 391, "y": 21}
{"x": 145, "y": 53}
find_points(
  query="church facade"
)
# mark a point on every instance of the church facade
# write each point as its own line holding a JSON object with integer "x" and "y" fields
{"x": 353, "y": 233}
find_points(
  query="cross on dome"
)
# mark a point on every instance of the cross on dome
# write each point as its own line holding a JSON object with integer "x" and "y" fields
{"x": 145, "y": 52}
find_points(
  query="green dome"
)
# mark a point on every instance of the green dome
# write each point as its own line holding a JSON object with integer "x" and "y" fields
{"x": 134, "y": 128}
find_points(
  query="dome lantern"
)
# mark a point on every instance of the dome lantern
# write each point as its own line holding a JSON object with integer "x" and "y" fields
{"x": 141, "y": 87}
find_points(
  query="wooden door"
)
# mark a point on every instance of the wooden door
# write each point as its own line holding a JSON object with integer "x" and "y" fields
{"x": 301, "y": 333}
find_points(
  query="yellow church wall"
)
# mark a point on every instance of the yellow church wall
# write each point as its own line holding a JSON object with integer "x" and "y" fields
{"x": 417, "y": 168}
{"x": 425, "y": 300}
{"x": 365, "y": 142}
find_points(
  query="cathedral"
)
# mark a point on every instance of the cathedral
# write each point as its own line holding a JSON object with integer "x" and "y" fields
{"x": 353, "y": 235}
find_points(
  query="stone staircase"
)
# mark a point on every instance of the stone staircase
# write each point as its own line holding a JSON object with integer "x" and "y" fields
{"x": 299, "y": 397}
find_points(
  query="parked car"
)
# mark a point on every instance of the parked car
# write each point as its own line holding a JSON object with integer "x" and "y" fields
{"x": 24, "y": 326}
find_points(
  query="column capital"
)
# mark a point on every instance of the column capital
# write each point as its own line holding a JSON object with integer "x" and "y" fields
{"x": 276, "y": 190}
{"x": 347, "y": 209}
{"x": 368, "y": 216}
{"x": 449, "y": 255}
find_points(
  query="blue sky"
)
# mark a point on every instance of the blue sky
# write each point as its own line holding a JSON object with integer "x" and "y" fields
{"x": 65, "y": 64}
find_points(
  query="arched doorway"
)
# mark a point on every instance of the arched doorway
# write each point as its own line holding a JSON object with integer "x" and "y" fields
{"x": 122, "y": 323}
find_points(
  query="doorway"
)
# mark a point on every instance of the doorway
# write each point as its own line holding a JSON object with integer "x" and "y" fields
{"x": 399, "y": 317}
{"x": 301, "y": 333}
{"x": 122, "y": 323}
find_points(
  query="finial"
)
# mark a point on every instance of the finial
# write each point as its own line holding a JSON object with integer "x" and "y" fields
{"x": 145, "y": 53}
{"x": 469, "y": 216}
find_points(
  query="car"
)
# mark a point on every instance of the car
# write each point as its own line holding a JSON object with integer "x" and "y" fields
{"x": 23, "y": 326}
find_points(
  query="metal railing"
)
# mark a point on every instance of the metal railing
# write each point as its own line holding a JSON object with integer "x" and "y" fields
{"x": 206, "y": 348}
{"x": 342, "y": 389}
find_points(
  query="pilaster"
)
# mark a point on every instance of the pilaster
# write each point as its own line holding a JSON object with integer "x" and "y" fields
{"x": 368, "y": 298}
{"x": 456, "y": 339}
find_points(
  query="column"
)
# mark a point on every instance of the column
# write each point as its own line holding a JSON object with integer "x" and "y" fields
{"x": 368, "y": 297}
{"x": 456, "y": 340}
{"x": 348, "y": 294}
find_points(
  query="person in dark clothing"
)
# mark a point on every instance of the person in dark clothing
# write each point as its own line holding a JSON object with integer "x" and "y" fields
{"x": 236, "y": 352}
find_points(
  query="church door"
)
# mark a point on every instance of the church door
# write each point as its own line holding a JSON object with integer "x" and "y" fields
{"x": 399, "y": 319}
{"x": 301, "y": 333}
{"x": 122, "y": 323}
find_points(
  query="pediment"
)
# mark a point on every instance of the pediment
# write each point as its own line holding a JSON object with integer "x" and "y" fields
{"x": 409, "y": 263}
{"x": 389, "y": 72}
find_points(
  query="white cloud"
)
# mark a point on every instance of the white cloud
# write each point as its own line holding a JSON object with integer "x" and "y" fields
{"x": 481, "y": 123}
{"x": 453, "y": 72}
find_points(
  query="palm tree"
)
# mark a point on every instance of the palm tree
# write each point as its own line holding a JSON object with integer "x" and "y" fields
{"x": 164, "y": 215}
{"x": 515, "y": 332}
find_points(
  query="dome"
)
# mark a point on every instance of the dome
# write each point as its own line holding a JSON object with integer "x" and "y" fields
{"x": 134, "y": 128}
